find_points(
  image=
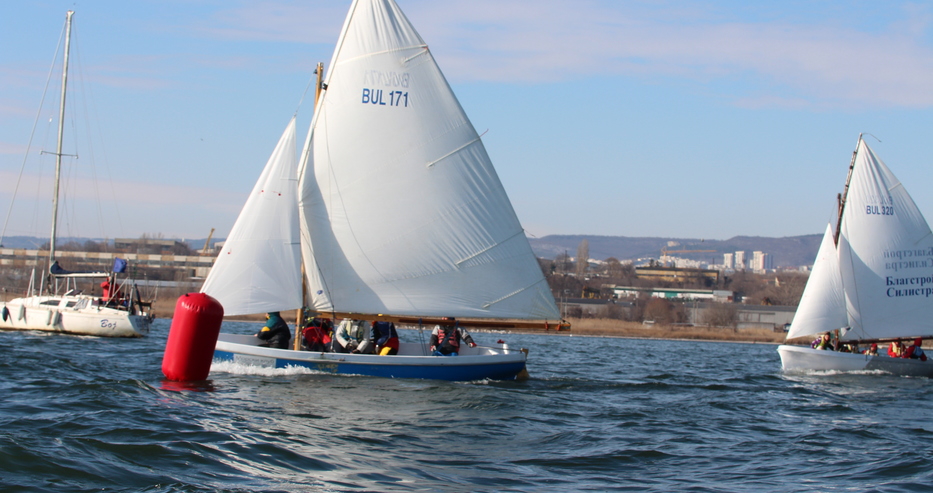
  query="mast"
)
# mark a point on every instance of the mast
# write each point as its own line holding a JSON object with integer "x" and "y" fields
{"x": 61, "y": 132}
{"x": 319, "y": 71}
{"x": 845, "y": 191}
{"x": 318, "y": 85}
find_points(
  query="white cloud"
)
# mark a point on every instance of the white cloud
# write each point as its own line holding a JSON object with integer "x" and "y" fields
{"x": 543, "y": 41}
{"x": 821, "y": 61}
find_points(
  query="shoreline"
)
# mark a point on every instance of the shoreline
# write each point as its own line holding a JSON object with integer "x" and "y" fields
{"x": 588, "y": 327}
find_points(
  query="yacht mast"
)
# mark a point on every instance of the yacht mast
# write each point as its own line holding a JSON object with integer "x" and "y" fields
{"x": 61, "y": 131}
{"x": 841, "y": 198}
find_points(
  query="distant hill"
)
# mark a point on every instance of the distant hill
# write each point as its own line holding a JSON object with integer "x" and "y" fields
{"x": 789, "y": 251}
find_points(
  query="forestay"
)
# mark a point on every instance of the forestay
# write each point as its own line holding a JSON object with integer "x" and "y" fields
{"x": 259, "y": 268}
{"x": 401, "y": 209}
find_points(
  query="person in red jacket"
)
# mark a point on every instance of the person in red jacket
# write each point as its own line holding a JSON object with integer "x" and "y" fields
{"x": 915, "y": 351}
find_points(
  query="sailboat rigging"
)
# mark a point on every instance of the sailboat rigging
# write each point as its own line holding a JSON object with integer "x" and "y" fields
{"x": 120, "y": 312}
{"x": 400, "y": 216}
{"x": 871, "y": 280}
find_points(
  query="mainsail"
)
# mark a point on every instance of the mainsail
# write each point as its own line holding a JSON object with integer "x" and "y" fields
{"x": 401, "y": 210}
{"x": 886, "y": 255}
{"x": 258, "y": 269}
{"x": 822, "y": 306}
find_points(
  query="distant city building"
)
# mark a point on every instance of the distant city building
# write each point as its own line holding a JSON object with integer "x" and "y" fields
{"x": 148, "y": 245}
{"x": 728, "y": 261}
{"x": 189, "y": 266}
{"x": 761, "y": 262}
{"x": 740, "y": 260}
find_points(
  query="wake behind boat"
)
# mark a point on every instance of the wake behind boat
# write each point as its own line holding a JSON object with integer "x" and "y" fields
{"x": 120, "y": 312}
{"x": 872, "y": 279}
{"x": 394, "y": 212}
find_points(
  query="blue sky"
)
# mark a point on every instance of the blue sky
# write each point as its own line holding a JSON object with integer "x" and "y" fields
{"x": 682, "y": 119}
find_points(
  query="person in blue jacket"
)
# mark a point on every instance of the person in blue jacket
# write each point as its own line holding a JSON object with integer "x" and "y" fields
{"x": 275, "y": 334}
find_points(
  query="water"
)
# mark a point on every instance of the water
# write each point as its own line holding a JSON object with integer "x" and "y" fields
{"x": 598, "y": 414}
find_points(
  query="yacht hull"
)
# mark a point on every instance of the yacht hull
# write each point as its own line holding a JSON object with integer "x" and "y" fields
{"x": 78, "y": 315}
{"x": 800, "y": 359}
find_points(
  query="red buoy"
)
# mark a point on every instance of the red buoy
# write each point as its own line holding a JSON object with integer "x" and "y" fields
{"x": 191, "y": 340}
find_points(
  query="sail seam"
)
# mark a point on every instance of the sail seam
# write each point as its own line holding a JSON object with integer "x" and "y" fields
{"x": 451, "y": 153}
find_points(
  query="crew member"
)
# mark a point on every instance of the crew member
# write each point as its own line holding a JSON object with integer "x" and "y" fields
{"x": 445, "y": 340}
{"x": 275, "y": 334}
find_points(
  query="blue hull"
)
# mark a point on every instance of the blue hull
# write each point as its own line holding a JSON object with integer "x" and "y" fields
{"x": 499, "y": 363}
{"x": 494, "y": 371}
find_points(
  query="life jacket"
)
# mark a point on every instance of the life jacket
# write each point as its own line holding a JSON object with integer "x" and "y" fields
{"x": 357, "y": 331}
{"x": 449, "y": 338}
{"x": 316, "y": 335}
{"x": 895, "y": 351}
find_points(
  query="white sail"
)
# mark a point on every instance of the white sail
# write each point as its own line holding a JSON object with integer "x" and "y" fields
{"x": 822, "y": 306}
{"x": 259, "y": 268}
{"x": 886, "y": 255}
{"x": 403, "y": 209}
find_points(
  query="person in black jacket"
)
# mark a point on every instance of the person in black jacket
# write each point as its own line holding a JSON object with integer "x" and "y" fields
{"x": 275, "y": 334}
{"x": 386, "y": 338}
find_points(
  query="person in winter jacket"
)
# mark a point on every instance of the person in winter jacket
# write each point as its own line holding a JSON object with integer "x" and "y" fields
{"x": 352, "y": 336}
{"x": 275, "y": 334}
{"x": 317, "y": 335}
{"x": 386, "y": 338}
{"x": 915, "y": 351}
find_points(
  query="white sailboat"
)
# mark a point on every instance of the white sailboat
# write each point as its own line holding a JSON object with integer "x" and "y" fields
{"x": 121, "y": 314}
{"x": 401, "y": 217}
{"x": 872, "y": 280}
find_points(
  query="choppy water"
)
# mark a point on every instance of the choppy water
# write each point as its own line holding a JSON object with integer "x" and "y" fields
{"x": 599, "y": 414}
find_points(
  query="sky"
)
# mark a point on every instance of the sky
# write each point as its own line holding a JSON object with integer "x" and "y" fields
{"x": 695, "y": 119}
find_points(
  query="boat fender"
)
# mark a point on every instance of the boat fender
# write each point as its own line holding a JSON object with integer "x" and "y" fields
{"x": 189, "y": 349}
{"x": 22, "y": 312}
{"x": 6, "y": 313}
{"x": 48, "y": 318}
{"x": 56, "y": 318}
